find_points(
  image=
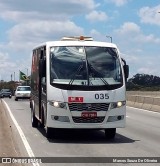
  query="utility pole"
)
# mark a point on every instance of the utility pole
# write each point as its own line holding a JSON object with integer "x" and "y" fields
{"x": 14, "y": 76}
{"x": 110, "y": 38}
{"x": 27, "y": 77}
{"x": 11, "y": 77}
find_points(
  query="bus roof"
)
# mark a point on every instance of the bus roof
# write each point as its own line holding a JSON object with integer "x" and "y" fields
{"x": 75, "y": 41}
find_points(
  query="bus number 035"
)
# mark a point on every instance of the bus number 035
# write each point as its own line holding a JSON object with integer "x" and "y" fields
{"x": 101, "y": 96}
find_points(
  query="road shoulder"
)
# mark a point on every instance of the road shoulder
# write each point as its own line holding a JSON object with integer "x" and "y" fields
{"x": 10, "y": 142}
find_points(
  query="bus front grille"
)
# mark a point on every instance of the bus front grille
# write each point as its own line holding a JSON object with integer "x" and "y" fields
{"x": 88, "y": 106}
{"x": 99, "y": 119}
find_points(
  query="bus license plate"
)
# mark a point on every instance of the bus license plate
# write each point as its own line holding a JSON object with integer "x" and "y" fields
{"x": 89, "y": 114}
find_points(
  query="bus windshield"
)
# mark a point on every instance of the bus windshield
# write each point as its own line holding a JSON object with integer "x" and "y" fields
{"x": 85, "y": 66}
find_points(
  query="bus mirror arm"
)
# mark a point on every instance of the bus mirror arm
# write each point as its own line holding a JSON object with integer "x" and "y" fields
{"x": 126, "y": 69}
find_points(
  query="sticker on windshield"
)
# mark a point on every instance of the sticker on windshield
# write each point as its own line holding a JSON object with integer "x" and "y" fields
{"x": 75, "y": 99}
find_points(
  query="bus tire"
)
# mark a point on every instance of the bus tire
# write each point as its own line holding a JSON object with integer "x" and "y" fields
{"x": 42, "y": 124}
{"x": 110, "y": 133}
{"x": 34, "y": 120}
{"x": 16, "y": 99}
{"x": 43, "y": 116}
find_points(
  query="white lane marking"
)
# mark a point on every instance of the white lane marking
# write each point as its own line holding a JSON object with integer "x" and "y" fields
{"x": 145, "y": 110}
{"x": 25, "y": 142}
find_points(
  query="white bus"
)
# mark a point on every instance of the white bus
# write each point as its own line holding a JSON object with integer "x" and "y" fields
{"x": 78, "y": 83}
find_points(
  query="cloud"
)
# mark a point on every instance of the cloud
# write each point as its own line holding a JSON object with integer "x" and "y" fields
{"x": 133, "y": 33}
{"x": 10, "y": 67}
{"x": 18, "y": 9}
{"x": 140, "y": 63}
{"x": 19, "y": 16}
{"x": 97, "y": 35}
{"x": 117, "y": 2}
{"x": 139, "y": 49}
{"x": 150, "y": 15}
{"x": 128, "y": 28}
{"x": 26, "y": 35}
{"x": 6, "y": 66}
{"x": 37, "y": 22}
{"x": 96, "y": 16}
{"x": 31, "y": 31}
{"x": 42, "y": 22}
{"x": 141, "y": 38}
{"x": 130, "y": 58}
{"x": 147, "y": 70}
{"x": 6, "y": 62}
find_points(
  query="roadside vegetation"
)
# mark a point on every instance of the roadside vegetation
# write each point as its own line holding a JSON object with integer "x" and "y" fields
{"x": 143, "y": 82}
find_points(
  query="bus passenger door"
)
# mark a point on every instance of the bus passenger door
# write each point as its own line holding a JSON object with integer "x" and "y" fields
{"x": 42, "y": 86}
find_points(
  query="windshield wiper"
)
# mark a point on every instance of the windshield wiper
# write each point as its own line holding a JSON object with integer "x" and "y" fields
{"x": 77, "y": 72}
{"x": 98, "y": 73}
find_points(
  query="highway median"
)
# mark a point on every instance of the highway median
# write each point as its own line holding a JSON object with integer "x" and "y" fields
{"x": 144, "y": 100}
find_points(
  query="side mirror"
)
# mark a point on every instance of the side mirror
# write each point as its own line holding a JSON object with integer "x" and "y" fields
{"x": 126, "y": 71}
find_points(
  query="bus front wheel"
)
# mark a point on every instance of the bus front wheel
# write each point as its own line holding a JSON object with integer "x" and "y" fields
{"x": 110, "y": 133}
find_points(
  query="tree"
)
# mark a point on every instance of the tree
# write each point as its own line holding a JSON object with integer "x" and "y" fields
{"x": 143, "y": 82}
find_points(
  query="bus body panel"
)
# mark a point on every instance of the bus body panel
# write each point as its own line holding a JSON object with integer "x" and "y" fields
{"x": 59, "y": 124}
{"x": 88, "y": 97}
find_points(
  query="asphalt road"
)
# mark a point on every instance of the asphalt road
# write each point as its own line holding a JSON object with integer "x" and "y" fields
{"x": 140, "y": 138}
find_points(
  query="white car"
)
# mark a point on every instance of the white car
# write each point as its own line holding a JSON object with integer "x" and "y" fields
{"x": 22, "y": 92}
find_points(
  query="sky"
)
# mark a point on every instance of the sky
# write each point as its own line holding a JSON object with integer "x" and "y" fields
{"x": 134, "y": 26}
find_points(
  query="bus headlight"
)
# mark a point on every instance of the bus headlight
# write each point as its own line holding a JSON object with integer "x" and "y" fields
{"x": 58, "y": 104}
{"x": 117, "y": 104}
